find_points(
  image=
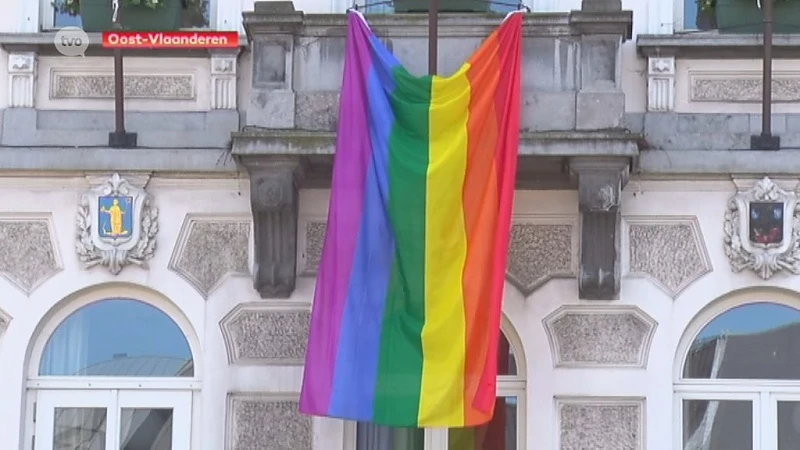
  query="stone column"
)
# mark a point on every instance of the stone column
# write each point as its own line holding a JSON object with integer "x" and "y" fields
{"x": 274, "y": 198}
{"x": 21, "y": 79}
{"x": 600, "y": 182}
{"x": 600, "y": 102}
{"x": 272, "y": 27}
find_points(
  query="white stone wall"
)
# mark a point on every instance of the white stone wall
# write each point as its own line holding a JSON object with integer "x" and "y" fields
{"x": 605, "y": 368}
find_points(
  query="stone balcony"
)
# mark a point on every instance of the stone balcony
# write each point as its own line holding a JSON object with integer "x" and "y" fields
{"x": 572, "y": 102}
{"x": 572, "y": 131}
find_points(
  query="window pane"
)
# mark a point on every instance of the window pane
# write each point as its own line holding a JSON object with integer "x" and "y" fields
{"x": 146, "y": 429}
{"x": 195, "y": 15}
{"x": 376, "y": 437}
{"x": 689, "y": 14}
{"x": 788, "y": 425}
{"x": 759, "y": 340}
{"x": 79, "y": 429}
{"x": 499, "y": 434}
{"x": 117, "y": 338}
{"x": 717, "y": 425}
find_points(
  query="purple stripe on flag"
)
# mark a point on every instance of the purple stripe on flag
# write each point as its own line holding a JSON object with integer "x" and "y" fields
{"x": 346, "y": 208}
{"x": 359, "y": 342}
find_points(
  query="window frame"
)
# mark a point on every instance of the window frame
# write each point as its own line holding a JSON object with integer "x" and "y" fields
{"x": 34, "y": 383}
{"x": 764, "y": 393}
{"x": 114, "y": 401}
{"x": 507, "y": 386}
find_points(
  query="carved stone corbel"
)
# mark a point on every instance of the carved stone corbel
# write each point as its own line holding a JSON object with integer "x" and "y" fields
{"x": 274, "y": 198}
{"x": 600, "y": 182}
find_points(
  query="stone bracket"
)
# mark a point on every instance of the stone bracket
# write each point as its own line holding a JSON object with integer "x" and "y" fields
{"x": 274, "y": 197}
{"x": 600, "y": 182}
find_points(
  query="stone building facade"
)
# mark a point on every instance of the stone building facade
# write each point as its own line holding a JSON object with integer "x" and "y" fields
{"x": 639, "y": 282}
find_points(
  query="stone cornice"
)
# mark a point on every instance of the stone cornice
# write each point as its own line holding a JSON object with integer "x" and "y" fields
{"x": 712, "y": 45}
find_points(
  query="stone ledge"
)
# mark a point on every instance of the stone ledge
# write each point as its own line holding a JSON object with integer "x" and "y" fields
{"x": 543, "y": 163}
{"x": 43, "y": 44}
{"x": 256, "y": 141}
{"x": 44, "y": 128}
{"x": 713, "y": 45}
{"x": 711, "y": 131}
{"x": 718, "y": 162}
{"x": 60, "y": 159}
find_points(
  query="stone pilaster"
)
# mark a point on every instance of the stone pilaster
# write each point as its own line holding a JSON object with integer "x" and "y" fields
{"x": 21, "y": 79}
{"x": 271, "y": 28}
{"x": 600, "y": 181}
{"x": 223, "y": 80}
{"x": 661, "y": 84}
{"x": 274, "y": 199}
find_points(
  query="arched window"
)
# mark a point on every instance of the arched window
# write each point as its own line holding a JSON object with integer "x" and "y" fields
{"x": 109, "y": 377}
{"x": 506, "y": 430}
{"x": 117, "y": 338}
{"x": 739, "y": 384}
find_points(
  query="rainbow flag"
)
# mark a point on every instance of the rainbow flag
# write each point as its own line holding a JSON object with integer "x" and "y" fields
{"x": 406, "y": 314}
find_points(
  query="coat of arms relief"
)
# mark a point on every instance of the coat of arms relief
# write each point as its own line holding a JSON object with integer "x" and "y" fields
{"x": 117, "y": 226}
{"x": 762, "y": 230}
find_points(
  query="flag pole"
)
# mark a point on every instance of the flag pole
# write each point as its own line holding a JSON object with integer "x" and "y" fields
{"x": 119, "y": 138}
{"x": 433, "y": 36}
{"x": 766, "y": 141}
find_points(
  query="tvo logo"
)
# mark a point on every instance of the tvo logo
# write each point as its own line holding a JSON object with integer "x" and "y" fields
{"x": 71, "y": 41}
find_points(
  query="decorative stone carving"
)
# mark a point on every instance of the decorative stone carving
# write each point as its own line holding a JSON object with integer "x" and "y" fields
{"x": 211, "y": 248}
{"x": 75, "y": 85}
{"x": 21, "y": 79}
{"x": 274, "y": 199}
{"x": 600, "y": 181}
{"x": 661, "y": 84}
{"x": 598, "y": 423}
{"x": 762, "y": 230}
{"x": 312, "y": 239}
{"x": 28, "y": 251}
{"x": 117, "y": 225}
{"x": 266, "y": 333}
{"x": 267, "y": 422}
{"x": 742, "y": 87}
{"x": 541, "y": 248}
{"x": 223, "y": 81}
{"x": 668, "y": 251}
{"x": 599, "y": 336}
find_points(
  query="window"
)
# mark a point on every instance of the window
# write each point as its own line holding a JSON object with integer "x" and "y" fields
{"x": 504, "y": 432}
{"x": 117, "y": 374}
{"x": 739, "y": 384}
{"x": 196, "y": 14}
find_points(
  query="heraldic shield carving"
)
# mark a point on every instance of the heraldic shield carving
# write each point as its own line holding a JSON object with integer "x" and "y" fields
{"x": 117, "y": 226}
{"x": 762, "y": 230}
